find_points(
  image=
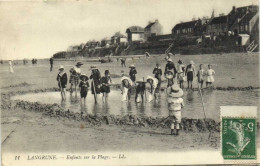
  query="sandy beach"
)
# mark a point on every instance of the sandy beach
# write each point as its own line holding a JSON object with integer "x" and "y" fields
{"x": 24, "y": 130}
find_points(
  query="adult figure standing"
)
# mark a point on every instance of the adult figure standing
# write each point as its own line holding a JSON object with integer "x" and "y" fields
{"x": 96, "y": 81}
{"x": 190, "y": 73}
{"x": 51, "y": 63}
{"x": 132, "y": 73}
{"x": 75, "y": 73}
{"x": 170, "y": 72}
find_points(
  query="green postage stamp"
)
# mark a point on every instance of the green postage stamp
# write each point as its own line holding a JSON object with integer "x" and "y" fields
{"x": 238, "y": 133}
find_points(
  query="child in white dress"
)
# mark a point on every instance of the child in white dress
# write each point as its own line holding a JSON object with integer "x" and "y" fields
{"x": 210, "y": 76}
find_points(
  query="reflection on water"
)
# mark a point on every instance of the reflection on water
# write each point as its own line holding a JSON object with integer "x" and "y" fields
{"x": 193, "y": 106}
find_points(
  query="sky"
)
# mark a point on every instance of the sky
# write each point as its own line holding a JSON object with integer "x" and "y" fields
{"x": 38, "y": 29}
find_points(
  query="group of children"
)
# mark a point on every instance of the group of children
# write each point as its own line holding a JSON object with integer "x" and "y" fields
{"x": 174, "y": 91}
{"x": 99, "y": 84}
{"x": 188, "y": 73}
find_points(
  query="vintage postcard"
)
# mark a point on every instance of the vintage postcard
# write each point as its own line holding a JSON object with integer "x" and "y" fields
{"x": 129, "y": 82}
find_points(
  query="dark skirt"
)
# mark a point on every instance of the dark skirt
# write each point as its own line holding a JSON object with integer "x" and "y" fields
{"x": 105, "y": 89}
{"x": 83, "y": 94}
{"x": 97, "y": 88}
{"x": 62, "y": 85}
{"x": 190, "y": 76}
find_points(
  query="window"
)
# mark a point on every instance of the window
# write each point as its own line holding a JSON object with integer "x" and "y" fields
{"x": 241, "y": 28}
{"x": 246, "y": 27}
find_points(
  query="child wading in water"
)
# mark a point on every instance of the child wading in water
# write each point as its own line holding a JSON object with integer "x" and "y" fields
{"x": 62, "y": 82}
{"x": 105, "y": 89}
{"x": 140, "y": 91}
{"x": 190, "y": 73}
{"x": 200, "y": 75}
{"x": 83, "y": 85}
{"x": 175, "y": 103}
{"x": 210, "y": 78}
{"x": 180, "y": 73}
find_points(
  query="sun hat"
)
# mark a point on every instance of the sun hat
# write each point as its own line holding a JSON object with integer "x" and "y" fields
{"x": 132, "y": 66}
{"x": 170, "y": 53}
{"x": 180, "y": 62}
{"x": 169, "y": 60}
{"x": 176, "y": 91}
{"x": 79, "y": 64}
{"x": 191, "y": 62}
{"x": 61, "y": 67}
{"x": 83, "y": 75}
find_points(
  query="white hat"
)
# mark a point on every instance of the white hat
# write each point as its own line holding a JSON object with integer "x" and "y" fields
{"x": 132, "y": 66}
{"x": 169, "y": 60}
{"x": 61, "y": 67}
{"x": 191, "y": 62}
{"x": 176, "y": 91}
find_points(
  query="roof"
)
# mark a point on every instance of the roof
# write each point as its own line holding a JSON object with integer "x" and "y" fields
{"x": 150, "y": 25}
{"x": 185, "y": 24}
{"x": 217, "y": 20}
{"x": 135, "y": 29}
{"x": 247, "y": 17}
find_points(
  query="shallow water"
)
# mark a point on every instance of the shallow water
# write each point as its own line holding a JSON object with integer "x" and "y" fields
{"x": 193, "y": 107}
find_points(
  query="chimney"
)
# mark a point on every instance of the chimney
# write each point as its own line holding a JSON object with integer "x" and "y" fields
{"x": 234, "y": 9}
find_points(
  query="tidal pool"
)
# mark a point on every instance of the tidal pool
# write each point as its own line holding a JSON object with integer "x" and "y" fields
{"x": 193, "y": 107}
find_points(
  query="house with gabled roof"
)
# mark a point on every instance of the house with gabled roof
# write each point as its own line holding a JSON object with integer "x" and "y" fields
{"x": 135, "y": 33}
{"x": 152, "y": 29}
{"x": 217, "y": 26}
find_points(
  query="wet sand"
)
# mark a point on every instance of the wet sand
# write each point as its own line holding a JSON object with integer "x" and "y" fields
{"x": 38, "y": 132}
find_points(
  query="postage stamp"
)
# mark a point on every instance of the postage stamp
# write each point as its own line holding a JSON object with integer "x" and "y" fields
{"x": 238, "y": 133}
{"x": 239, "y": 138}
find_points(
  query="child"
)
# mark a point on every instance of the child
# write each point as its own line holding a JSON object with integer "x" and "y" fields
{"x": 157, "y": 71}
{"x": 132, "y": 73}
{"x": 175, "y": 103}
{"x": 126, "y": 85}
{"x": 190, "y": 73}
{"x": 180, "y": 73}
{"x": 74, "y": 76}
{"x": 140, "y": 90}
{"x": 153, "y": 82}
{"x": 210, "y": 78}
{"x": 62, "y": 82}
{"x": 83, "y": 85}
{"x": 105, "y": 89}
{"x": 200, "y": 75}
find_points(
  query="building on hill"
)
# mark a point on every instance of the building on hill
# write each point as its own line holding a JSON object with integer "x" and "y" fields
{"x": 135, "y": 33}
{"x": 105, "y": 41}
{"x": 152, "y": 29}
{"x": 188, "y": 29}
{"x": 237, "y": 14}
{"x": 118, "y": 38}
{"x": 217, "y": 26}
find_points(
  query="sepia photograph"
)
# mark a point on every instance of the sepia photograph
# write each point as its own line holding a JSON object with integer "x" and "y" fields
{"x": 129, "y": 82}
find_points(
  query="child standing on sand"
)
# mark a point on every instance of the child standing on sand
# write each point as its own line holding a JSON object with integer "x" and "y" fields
{"x": 210, "y": 73}
{"x": 175, "y": 103}
{"x": 83, "y": 85}
{"x": 200, "y": 75}
{"x": 62, "y": 82}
